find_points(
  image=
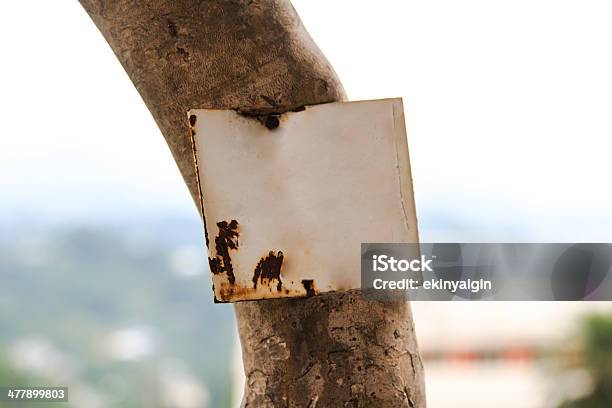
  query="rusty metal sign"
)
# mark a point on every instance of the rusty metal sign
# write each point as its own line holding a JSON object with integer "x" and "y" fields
{"x": 288, "y": 199}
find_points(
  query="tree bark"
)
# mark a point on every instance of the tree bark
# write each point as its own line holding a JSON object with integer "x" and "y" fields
{"x": 332, "y": 350}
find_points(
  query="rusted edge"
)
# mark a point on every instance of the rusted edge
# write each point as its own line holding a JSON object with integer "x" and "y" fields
{"x": 268, "y": 283}
{"x": 312, "y": 291}
{"x": 192, "y": 121}
{"x": 267, "y": 274}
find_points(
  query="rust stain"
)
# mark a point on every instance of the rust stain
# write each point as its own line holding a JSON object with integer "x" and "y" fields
{"x": 226, "y": 239}
{"x": 268, "y": 269}
{"x": 230, "y": 293}
{"x": 267, "y": 280}
{"x": 309, "y": 286}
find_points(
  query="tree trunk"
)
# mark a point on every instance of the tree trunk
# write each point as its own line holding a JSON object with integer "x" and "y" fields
{"x": 332, "y": 350}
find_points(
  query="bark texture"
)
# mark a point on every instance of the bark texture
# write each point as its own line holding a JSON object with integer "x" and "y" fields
{"x": 333, "y": 350}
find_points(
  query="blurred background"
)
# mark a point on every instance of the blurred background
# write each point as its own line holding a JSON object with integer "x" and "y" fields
{"x": 104, "y": 286}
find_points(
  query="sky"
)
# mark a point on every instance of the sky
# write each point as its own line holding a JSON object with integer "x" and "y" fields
{"x": 507, "y": 109}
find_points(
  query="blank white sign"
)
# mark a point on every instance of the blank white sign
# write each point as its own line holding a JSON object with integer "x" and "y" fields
{"x": 325, "y": 180}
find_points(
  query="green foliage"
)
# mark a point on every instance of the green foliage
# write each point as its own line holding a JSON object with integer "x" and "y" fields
{"x": 72, "y": 286}
{"x": 597, "y": 358}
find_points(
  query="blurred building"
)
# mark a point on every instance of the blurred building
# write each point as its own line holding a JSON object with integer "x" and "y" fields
{"x": 500, "y": 354}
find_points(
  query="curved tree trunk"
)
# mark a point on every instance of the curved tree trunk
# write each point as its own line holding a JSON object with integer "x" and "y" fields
{"x": 332, "y": 350}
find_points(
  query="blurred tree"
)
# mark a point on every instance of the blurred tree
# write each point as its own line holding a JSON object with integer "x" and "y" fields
{"x": 597, "y": 359}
